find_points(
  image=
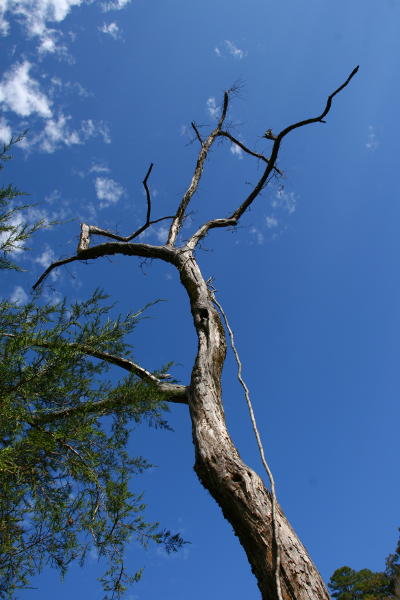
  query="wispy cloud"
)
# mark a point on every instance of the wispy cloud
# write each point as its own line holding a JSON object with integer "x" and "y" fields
{"x": 45, "y": 259}
{"x": 271, "y": 222}
{"x": 20, "y": 93}
{"x": 99, "y": 168}
{"x": 258, "y": 235}
{"x": 372, "y": 140}
{"x": 236, "y": 151}
{"x": 114, "y": 5}
{"x": 111, "y": 29}
{"x": 58, "y": 132}
{"x": 5, "y": 131}
{"x": 284, "y": 200}
{"x": 19, "y": 296}
{"x": 212, "y": 107}
{"x": 229, "y": 48}
{"x": 9, "y": 239}
{"x": 108, "y": 191}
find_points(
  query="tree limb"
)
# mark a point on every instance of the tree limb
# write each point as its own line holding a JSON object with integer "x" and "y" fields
{"x": 86, "y": 230}
{"x": 194, "y": 184}
{"x": 177, "y": 393}
{"x": 271, "y": 162}
{"x": 247, "y": 150}
{"x": 108, "y": 249}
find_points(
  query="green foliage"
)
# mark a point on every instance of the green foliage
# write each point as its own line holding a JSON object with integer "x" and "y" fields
{"x": 64, "y": 426}
{"x": 14, "y": 230}
{"x": 347, "y": 584}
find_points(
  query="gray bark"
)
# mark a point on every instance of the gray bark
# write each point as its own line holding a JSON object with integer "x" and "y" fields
{"x": 239, "y": 491}
{"x": 244, "y": 500}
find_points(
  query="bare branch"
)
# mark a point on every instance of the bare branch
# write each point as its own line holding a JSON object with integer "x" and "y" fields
{"x": 205, "y": 147}
{"x": 178, "y": 393}
{"x": 276, "y": 147}
{"x": 204, "y": 229}
{"x": 320, "y": 118}
{"x": 87, "y": 230}
{"x": 193, "y": 124}
{"x": 110, "y": 248}
{"x": 247, "y": 150}
{"x": 270, "y": 167}
{"x": 148, "y": 197}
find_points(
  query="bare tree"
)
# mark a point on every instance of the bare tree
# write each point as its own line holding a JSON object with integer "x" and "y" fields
{"x": 277, "y": 557}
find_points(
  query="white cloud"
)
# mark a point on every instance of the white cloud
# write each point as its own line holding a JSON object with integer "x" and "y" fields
{"x": 46, "y": 258}
{"x": 35, "y": 15}
{"x": 54, "y": 196}
{"x": 5, "y": 131}
{"x": 19, "y": 296}
{"x": 57, "y": 132}
{"x": 230, "y": 48}
{"x": 259, "y": 236}
{"x": 212, "y": 107}
{"x": 108, "y": 191}
{"x": 236, "y": 151}
{"x": 162, "y": 234}
{"x": 372, "y": 140}
{"x": 234, "y": 50}
{"x": 114, "y": 5}
{"x": 285, "y": 200}
{"x": 271, "y": 222}
{"x": 98, "y": 168}
{"x": 53, "y": 296}
{"x": 21, "y": 93}
{"x": 8, "y": 239}
{"x": 111, "y": 29}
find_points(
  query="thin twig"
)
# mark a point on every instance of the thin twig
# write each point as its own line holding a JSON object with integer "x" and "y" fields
{"x": 148, "y": 197}
{"x": 194, "y": 127}
{"x": 260, "y": 448}
{"x": 247, "y": 150}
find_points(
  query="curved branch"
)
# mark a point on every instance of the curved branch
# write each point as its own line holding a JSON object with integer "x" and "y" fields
{"x": 110, "y": 248}
{"x": 194, "y": 184}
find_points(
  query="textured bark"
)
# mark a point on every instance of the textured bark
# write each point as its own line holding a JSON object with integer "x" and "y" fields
{"x": 239, "y": 491}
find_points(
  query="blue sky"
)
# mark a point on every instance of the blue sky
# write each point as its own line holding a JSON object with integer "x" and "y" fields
{"x": 310, "y": 280}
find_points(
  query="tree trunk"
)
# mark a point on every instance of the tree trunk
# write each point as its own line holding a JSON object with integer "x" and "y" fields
{"x": 239, "y": 491}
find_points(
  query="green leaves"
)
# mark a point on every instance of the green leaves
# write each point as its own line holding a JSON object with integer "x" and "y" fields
{"x": 65, "y": 472}
{"x": 65, "y": 479}
{"x": 347, "y": 584}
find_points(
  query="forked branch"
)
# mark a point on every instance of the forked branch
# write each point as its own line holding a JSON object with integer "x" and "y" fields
{"x": 270, "y": 166}
{"x": 86, "y": 230}
{"x": 109, "y": 249}
{"x": 194, "y": 184}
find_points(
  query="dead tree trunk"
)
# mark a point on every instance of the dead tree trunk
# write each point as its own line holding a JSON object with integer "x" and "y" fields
{"x": 245, "y": 501}
{"x": 241, "y": 494}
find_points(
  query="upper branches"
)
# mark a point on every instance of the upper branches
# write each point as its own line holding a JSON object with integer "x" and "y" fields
{"x": 194, "y": 184}
{"x": 269, "y": 168}
{"x": 168, "y": 252}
